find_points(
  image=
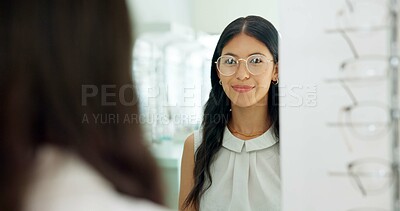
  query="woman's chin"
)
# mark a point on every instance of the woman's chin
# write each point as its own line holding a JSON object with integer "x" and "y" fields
{"x": 244, "y": 102}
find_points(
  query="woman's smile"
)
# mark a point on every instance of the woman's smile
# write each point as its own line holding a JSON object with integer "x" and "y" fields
{"x": 242, "y": 88}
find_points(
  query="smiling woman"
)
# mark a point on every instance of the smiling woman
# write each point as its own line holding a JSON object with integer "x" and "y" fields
{"x": 243, "y": 146}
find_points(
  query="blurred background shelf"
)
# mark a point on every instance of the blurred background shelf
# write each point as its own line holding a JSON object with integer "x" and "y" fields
{"x": 168, "y": 156}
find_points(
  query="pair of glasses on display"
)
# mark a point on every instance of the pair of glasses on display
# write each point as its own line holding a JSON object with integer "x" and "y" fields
{"x": 369, "y": 176}
{"x": 365, "y": 120}
{"x": 256, "y": 64}
{"x": 363, "y": 17}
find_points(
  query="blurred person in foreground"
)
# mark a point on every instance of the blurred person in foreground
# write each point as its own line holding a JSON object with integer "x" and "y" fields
{"x": 62, "y": 64}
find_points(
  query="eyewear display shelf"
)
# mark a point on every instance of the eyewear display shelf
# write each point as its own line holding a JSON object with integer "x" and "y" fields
{"x": 394, "y": 99}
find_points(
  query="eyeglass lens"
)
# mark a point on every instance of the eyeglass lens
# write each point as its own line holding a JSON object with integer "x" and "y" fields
{"x": 256, "y": 64}
{"x": 370, "y": 177}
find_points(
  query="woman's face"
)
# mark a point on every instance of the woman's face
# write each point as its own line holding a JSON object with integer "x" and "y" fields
{"x": 243, "y": 88}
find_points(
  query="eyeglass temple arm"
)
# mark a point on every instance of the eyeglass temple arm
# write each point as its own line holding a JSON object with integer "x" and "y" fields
{"x": 350, "y": 5}
{"x": 348, "y": 91}
{"x": 359, "y": 184}
{"x": 349, "y": 42}
{"x": 344, "y": 136}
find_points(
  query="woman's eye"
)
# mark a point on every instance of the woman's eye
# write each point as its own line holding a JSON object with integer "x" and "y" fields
{"x": 230, "y": 61}
{"x": 256, "y": 60}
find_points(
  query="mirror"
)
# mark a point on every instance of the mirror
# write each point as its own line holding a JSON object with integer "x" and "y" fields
{"x": 175, "y": 41}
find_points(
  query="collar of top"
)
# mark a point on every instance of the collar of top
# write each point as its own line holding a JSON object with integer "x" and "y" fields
{"x": 235, "y": 144}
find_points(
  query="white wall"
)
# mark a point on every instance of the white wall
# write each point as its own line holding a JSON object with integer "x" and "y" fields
{"x": 202, "y": 15}
{"x": 145, "y": 12}
{"x": 212, "y": 16}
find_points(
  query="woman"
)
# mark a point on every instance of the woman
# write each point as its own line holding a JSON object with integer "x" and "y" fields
{"x": 232, "y": 163}
{"x": 54, "y": 154}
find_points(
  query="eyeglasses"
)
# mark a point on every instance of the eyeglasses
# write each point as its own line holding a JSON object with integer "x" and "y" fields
{"x": 369, "y": 175}
{"x": 356, "y": 17}
{"x": 366, "y": 120}
{"x": 362, "y": 15}
{"x": 368, "y": 67}
{"x": 255, "y": 64}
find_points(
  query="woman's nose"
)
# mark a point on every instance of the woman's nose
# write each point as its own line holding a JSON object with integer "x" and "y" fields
{"x": 242, "y": 73}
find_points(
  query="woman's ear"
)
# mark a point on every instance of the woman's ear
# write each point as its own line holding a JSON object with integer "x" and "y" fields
{"x": 275, "y": 75}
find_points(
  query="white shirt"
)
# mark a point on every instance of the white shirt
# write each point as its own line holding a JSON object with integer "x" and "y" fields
{"x": 64, "y": 182}
{"x": 245, "y": 174}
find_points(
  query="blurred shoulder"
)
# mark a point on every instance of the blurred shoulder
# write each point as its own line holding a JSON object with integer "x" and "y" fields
{"x": 62, "y": 181}
{"x": 189, "y": 142}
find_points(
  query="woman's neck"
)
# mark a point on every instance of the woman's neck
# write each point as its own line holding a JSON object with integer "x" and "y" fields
{"x": 251, "y": 121}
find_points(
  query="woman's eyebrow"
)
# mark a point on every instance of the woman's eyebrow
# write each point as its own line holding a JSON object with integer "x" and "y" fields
{"x": 234, "y": 55}
{"x": 257, "y": 53}
{"x": 230, "y": 54}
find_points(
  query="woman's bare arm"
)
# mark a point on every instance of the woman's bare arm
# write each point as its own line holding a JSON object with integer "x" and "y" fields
{"x": 187, "y": 178}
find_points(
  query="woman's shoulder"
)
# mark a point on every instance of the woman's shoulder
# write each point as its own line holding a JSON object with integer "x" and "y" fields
{"x": 198, "y": 138}
{"x": 62, "y": 182}
{"x": 192, "y": 143}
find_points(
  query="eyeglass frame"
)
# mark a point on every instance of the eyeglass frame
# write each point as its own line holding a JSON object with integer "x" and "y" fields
{"x": 354, "y": 104}
{"x": 350, "y": 7}
{"x": 344, "y": 31}
{"x": 356, "y": 177}
{"x": 238, "y": 62}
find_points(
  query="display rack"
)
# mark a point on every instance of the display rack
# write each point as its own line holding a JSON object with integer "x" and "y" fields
{"x": 394, "y": 100}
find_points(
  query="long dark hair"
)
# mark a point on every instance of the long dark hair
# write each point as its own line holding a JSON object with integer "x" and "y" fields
{"x": 49, "y": 52}
{"x": 216, "y": 112}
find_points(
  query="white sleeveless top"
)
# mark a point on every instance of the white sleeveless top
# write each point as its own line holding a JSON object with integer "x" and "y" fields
{"x": 245, "y": 174}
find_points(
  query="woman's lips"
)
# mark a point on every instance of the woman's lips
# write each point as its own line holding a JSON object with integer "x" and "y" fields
{"x": 242, "y": 88}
